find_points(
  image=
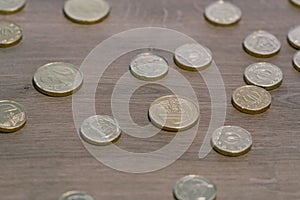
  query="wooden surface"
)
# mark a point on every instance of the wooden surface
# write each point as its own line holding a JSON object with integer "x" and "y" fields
{"x": 47, "y": 158}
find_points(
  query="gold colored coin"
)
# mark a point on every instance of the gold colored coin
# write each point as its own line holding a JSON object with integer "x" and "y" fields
{"x": 76, "y": 195}
{"x": 11, "y": 6}
{"x": 10, "y": 34}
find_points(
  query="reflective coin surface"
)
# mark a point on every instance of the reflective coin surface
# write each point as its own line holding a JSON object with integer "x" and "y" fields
{"x": 262, "y": 44}
{"x": 76, "y": 195}
{"x": 251, "y": 99}
{"x": 295, "y": 2}
{"x": 10, "y": 34}
{"x": 11, "y": 6}
{"x": 193, "y": 57}
{"x": 231, "y": 140}
{"x": 263, "y": 74}
{"x": 86, "y": 11}
{"x": 195, "y": 187}
{"x": 100, "y": 130}
{"x": 149, "y": 67}
{"x": 294, "y": 37}
{"x": 12, "y": 116}
{"x": 296, "y": 61}
{"x": 173, "y": 113}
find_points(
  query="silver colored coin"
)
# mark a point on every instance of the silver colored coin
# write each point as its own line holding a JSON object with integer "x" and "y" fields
{"x": 295, "y": 2}
{"x": 11, "y": 6}
{"x": 294, "y": 37}
{"x": 296, "y": 61}
{"x": 149, "y": 67}
{"x": 10, "y": 34}
{"x": 231, "y": 140}
{"x": 195, "y": 187}
{"x": 100, "y": 130}
{"x": 76, "y": 195}
{"x": 262, "y": 44}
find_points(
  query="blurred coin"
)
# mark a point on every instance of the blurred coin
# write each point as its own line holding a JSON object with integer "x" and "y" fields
{"x": 295, "y": 2}
{"x": 294, "y": 37}
{"x": 11, "y": 6}
{"x": 76, "y": 195}
{"x": 296, "y": 61}
{"x": 10, "y": 34}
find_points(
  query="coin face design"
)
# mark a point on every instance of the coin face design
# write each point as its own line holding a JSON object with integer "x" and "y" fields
{"x": 262, "y": 44}
{"x": 296, "y": 61}
{"x": 193, "y": 57}
{"x": 231, "y": 140}
{"x": 12, "y": 116}
{"x": 58, "y": 79}
{"x": 173, "y": 113}
{"x": 263, "y": 74}
{"x": 294, "y": 37}
{"x": 251, "y": 99}
{"x": 10, "y": 34}
{"x": 149, "y": 67}
{"x": 295, "y": 2}
{"x": 195, "y": 187}
{"x": 11, "y": 6}
{"x": 76, "y": 195}
{"x": 100, "y": 130}
{"x": 86, "y": 11}
{"x": 223, "y": 13}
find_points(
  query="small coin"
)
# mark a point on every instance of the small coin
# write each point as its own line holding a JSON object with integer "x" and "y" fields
{"x": 10, "y": 34}
{"x": 193, "y": 187}
{"x": 12, "y": 116}
{"x": 262, "y": 44}
{"x": 251, "y": 99}
{"x": 11, "y": 6}
{"x": 193, "y": 57}
{"x": 86, "y": 11}
{"x": 173, "y": 113}
{"x": 149, "y": 67}
{"x": 223, "y": 13}
{"x": 100, "y": 130}
{"x": 295, "y": 2}
{"x": 76, "y": 195}
{"x": 263, "y": 74}
{"x": 294, "y": 37}
{"x": 296, "y": 61}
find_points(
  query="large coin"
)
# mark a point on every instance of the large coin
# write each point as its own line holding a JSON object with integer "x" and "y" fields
{"x": 149, "y": 67}
{"x": 11, "y": 6}
{"x": 100, "y": 130}
{"x": 294, "y": 37}
{"x": 231, "y": 140}
{"x": 295, "y": 2}
{"x": 12, "y": 116}
{"x": 263, "y": 74}
{"x": 251, "y": 99}
{"x": 195, "y": 187}
{"x": 173, "y": 113}
{"x": 10, "y": 34}
{"x": 296, "y": 61}
{"x": 262, "y": 44}
{"x": 86, "y": 11}
{"x": 193, "y": 57}
{"x": 76, "y": 195}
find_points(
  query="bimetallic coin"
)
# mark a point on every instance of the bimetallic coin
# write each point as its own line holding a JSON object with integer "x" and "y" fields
{"x": 173, "y": 113}
{"x": 223, "y": 13}
{"x": 149, "y": 67}
{"x": 11, "y": 6}
{"x": 10, "y": 34}
{"x": 76, "y": 195}
{"x": 100, "y": 130}
{"x": 263, "y": 74}
{"x": 195, "y": 187}
{"x": 296, "y": 61}
{"x": 86, "y": 11}
{"x": 294, "y": 37}
{"x": 193, "y": 57}
{"x": 295, "y": 2}
{"x": 251, "y": 99}
{"x": 12, "y": 116}
{"x": 262, "y": 44}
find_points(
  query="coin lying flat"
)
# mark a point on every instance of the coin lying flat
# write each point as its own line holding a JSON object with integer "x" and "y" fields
{"x": 86, "y": 11}
{"x": 11, "y": 6}
{"x": 193, "y": 57}
{"x": 263, "y": 74}
{"x": 195, "y": 187}
{"x": 262, "y": 44}
{"x": 294, "y": 37}
{"x": 149, "y": 67}
{"x": 10, "y": 34}
{"x": 173, "y": 113}
{"x": 295, "y": 2}
{"x": 251, "y": 99}
{"x": 296, "y": 61}
{"x": 223, "y": 13}
{"x": 12, "y": 116}
{"x": 76, "y": 195}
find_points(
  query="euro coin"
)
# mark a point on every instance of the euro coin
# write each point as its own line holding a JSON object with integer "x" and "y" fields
{"x": 294, "y": 37}
{"x": 296, "y": 61}
{"x": 11, "y": 6}
{"x": 295, "y": 2}
{"x": 10, "y": 34}
{"x": 76, "y": 195}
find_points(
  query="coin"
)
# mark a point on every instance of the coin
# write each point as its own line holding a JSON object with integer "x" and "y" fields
{"x": 86, "y": 11}
{"x": 11, "y": 6}
{"x": 173, "y": 113}
{"x": 100, "y": 130}
{"x": 294, "y": 37}
{"x": 12, "y": 116}
{"x": 193, "y": 187}
{"x": 58, "y": 79}
{"x": 193, "y": 57}
{"x": 251, "y": 99}
{"x": 263, "y": 74}
{"x": 295, "y": 2}
{"x": 223, "y": 13}
{"x": 149, "y": 67}
{"x": 262, "y": 44}
{"x": 76, "y": 195}
{"x": 296, "y": 61}
{"x": 10, "y": 34}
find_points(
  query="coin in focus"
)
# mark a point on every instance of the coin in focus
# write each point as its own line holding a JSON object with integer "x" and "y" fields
{"x": 295, "y": 2}
{"x": 100, "y": 130}
{"x": 11, "y": 6}
{"x": 223, "y": 13}
{"x": 294, "y": 37}
{"x": 173, "y": 113}
{"x": 149, "y": 67}
{"x": 78, "y": 195}
{"x": 10, "y": 34}
{"x": 262, "y": 44}
{"x": 251, "y": 99}
{"x": 86, "y": 11}
{"x": 12, "y": 116}
{"x": 296, "y": 61}
{"x": 193, "y": 187}
{"x": 193, "y": 57}
{"x": 263, "y": 74}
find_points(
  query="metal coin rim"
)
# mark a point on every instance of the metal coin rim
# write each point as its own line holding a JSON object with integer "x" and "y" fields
{"x": 296, "y": 66}
{"x": 73, "y": 192}
{"x": 13, "y": 10}
{"x": 15, "y": 42}
{"x": 290, "y": 40}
